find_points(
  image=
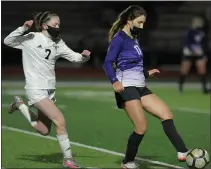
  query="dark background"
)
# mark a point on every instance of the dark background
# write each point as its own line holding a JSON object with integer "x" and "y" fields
{"x": 85, "y": 25}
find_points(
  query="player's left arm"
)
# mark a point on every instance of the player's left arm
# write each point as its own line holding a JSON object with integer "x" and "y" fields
{"x": 205, "y": 44}
{"x": 67, "y": 53}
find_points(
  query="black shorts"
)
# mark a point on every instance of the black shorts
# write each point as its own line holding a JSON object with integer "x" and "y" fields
{"x": 130, "y": 93}
{"x": 193, "y": 58}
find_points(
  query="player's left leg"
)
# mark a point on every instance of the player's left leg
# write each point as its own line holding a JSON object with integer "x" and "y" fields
{"x": 201, "y": 68}
{"x": 158, "y": 108}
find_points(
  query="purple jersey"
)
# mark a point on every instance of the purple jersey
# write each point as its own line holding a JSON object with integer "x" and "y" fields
{"x": 194, "y": 43}
{"x": 128, "y": 57}
{"x": 194, "y": 38}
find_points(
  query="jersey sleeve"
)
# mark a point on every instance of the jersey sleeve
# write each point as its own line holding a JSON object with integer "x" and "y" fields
{"x": 146, "y": 73}
{"x": 187, "y": 44}
{"x": 112, "y": 54}
{"x": 188, "y": 39}
{"x": 66, "y": 53}
{"x": 16, "y": 39}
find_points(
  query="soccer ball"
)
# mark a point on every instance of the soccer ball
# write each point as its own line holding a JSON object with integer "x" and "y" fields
{"x": 197, "y": 158}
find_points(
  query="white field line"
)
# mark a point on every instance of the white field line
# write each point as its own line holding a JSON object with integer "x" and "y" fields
{"x": 95, "y": 95}
{"x": 193, "y": 85}
{"x": 183, "y": 109}
{"x": 193, "y": 110}
{"x": 179, "y": 109}
{"x": 4, "y": 105}
{"x": 89, "y": 147}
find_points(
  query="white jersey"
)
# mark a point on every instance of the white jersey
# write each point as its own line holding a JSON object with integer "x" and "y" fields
{"x": 39, "y": 55}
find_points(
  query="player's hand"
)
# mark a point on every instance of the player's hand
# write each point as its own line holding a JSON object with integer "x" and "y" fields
{"x": 197, "y": 51}
{"x": 28, "y": 24}
{"x": 153, "y": 71}
{"x": 86, "y": 53}
{"x": 118, "y": 87}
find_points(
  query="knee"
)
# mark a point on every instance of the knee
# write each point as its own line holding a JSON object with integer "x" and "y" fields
{"x": 141, "y": 128}
{"x": 60, "y": 123}
{"x": 166, "y": 115}
{"x": 201, "y": 72}
{"x": 42, "y": 128}
{"x": 45, "y": 133}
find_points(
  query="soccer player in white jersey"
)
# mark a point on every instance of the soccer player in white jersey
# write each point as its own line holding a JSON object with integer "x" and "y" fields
{"x": 40, "y": 50}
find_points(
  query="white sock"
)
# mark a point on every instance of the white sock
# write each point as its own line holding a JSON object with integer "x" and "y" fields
{"x": 64, "y": 143}
{"x": 25, "y": 110}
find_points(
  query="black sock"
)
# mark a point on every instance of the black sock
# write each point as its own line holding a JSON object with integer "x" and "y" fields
{"x": 173, "y": 135}
{"x": 181, "y": 82}
{"x": 203, "y": 81}
{"x": 132, "y": 147}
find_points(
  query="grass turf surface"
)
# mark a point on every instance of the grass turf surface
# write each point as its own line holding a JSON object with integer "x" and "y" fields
{"x": 92, "y": 119}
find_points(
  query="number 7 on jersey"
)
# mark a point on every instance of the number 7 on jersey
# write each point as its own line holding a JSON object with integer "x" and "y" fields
{"x": 49, "y": 52}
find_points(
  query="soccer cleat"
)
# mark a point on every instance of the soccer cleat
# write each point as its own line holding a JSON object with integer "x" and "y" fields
{"x": 17, "y": 101}
{"x": 182, "y": 156}
{"x": 69, "y": 163}
{"x": 130, "y": 165}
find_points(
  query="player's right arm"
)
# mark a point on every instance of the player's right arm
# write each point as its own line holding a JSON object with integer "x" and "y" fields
{"x": 112, "y": 54}
{"x": 16, "y": 39}
{"x": 187, "y": 46}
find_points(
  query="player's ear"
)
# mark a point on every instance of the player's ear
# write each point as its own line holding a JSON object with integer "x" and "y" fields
{"x": 44, "y": 26}
{"x": 129, "y": 22}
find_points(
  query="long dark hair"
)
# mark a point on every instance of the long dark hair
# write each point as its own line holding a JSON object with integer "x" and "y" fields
{"x": 42, "y": 17}
{"x": 130, "y": 13}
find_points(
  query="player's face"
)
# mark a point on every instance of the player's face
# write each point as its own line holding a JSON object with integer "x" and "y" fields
{"x": 139, "y": 22}
{"x": 53, "y": 22}
{"x": 197, "y": 22}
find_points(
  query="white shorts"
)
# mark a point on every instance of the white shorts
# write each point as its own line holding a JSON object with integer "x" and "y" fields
{"x": 35, "y": 95}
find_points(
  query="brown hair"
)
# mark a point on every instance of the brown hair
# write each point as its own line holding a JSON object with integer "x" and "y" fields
{"x": 42, "y": 17}
{"x": 130, "y": 13}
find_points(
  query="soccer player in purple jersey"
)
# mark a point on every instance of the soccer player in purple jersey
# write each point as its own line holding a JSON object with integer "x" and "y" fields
{"x": 195, "y": 51}
{"x": 128, "y": 80}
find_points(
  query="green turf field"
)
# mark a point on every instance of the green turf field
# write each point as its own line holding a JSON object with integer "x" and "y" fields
{"x": 93, "y": 120}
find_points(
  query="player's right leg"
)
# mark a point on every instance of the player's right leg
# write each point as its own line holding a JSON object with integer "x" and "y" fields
{"x": 136, "y": 114}
{"x": 134, "y": 110}
{"x": 39, "y": 122}
{"x": 49, "y": 109}
{"x": 185, "y": 67}
{"x": 202, "y": 70}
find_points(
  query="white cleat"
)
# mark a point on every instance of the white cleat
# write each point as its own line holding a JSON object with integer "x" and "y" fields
{"x": 182, "y": 156}
{"x": 70, "y": 163}
{"x": 17, "y": 101}
{"x": 130, "y": 165}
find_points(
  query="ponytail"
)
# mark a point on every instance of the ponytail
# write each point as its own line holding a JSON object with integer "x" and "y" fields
{"x": 36, "y": 21}
{"x": 117, "y": 25}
